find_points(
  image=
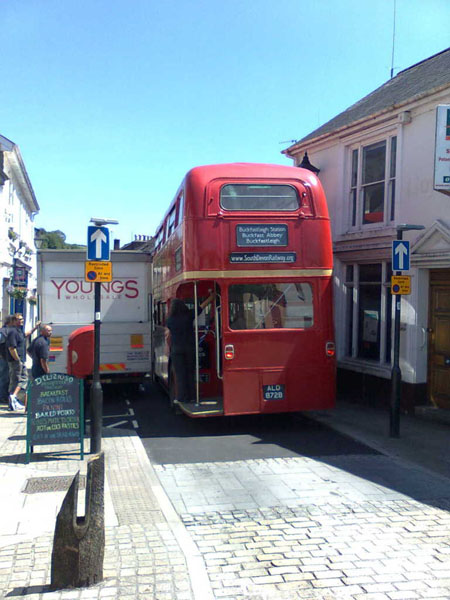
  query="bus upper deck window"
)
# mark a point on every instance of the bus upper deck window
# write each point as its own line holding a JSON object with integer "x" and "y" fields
{"x": 158, "y": 240}
{"x": 171, "y": 221}
{"x": 180, "y": 208}
{"x": 259, "y": 197}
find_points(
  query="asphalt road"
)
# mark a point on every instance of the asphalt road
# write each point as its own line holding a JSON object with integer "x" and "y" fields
{"x": 177, "y": 439}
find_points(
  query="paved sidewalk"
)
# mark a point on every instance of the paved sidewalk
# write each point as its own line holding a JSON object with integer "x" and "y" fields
{"x": 360, "y": 527}
{"x": 148, "y": 553}
{"x": 424, "y": 439}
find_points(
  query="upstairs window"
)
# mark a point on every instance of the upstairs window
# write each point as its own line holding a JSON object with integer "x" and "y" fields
{"x": 255, "y": 197}
{"x": 373, "y": 176}
{"x": 372, "y": 183}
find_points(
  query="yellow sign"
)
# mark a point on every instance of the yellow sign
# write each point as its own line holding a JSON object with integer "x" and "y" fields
{"x": 136, "y": 340}
{"x": 56, "y": 344}
{"x": 401, "y": 284}
{"x": 98, "y": 271}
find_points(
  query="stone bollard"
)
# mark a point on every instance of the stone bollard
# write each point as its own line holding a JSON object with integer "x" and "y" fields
{"x": 79, "y": 542}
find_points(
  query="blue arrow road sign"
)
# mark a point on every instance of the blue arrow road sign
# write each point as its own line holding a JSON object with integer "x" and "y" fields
{"x": 400, "y": 255}
{"x": 98, "y": 243}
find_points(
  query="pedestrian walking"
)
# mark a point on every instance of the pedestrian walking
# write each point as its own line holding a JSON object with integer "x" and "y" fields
{"x": 4, "y": 369}
{"x": 182, "y": 346}
{"x": 16, "y": 356}
{"x": 38, "y": 350}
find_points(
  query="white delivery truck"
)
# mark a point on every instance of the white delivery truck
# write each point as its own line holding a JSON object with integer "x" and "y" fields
{"x": 66, "y": 301}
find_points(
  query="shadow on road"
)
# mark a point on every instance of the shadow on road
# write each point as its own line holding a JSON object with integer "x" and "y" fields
{"x": 234, "y": 438}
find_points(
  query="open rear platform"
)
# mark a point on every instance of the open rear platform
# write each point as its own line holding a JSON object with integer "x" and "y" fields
{"x": 208, "y": 407}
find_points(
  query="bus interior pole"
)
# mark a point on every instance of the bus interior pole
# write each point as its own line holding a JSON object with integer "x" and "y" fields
{"x": 96, "y": 389}
{"x": 217, "y": 308}
{"x": 197, "y": 375}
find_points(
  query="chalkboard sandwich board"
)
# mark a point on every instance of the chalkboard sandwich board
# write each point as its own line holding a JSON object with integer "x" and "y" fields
{"x": 55, "y": 411}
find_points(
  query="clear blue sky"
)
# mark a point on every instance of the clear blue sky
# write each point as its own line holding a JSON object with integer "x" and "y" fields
{"x": 112, "y": 101}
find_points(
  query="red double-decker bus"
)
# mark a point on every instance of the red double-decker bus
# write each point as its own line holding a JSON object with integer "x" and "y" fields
{"x": 259, "y": 236}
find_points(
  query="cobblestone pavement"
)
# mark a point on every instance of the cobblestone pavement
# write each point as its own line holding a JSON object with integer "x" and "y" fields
{"x": 140, "y": 562}
{"x": 372, "y": 550}
{"x": 362, "y": 526}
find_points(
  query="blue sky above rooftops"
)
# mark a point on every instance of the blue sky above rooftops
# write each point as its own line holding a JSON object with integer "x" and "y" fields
{"x": 112, "y": 102}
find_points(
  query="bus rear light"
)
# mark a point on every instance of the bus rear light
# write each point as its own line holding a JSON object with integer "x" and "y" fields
{"x": 229, "y": 352}
{"x": 330, "y": 349}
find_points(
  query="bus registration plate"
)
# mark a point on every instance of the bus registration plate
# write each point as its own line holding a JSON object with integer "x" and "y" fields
{"x": 273, "y": 392}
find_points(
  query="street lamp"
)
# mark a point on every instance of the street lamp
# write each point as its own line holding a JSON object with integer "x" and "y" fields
{"x": 38, "y": 240}
{"x": 100, "y": 221}
{"x": 305, "y": 164}
{"x": 396, "y": 374}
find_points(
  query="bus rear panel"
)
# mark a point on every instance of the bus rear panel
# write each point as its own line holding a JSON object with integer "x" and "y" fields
{"x": 259, "y": 236}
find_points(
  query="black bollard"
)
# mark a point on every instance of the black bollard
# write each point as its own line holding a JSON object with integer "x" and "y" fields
{"x": 79, "y": 542}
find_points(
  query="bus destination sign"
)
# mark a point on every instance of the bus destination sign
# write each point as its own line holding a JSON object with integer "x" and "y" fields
{"x": 261, "y": 235}
{"x": 263, "y": 257}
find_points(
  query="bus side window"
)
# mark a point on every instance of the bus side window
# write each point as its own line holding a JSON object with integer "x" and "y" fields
{"x": 159, "y": 238}
{"x": 171, "y": 222}
{"x": 180, "y": 208}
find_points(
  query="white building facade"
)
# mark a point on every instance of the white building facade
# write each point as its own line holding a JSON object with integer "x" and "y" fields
{"x": 18, "y": 207}
{"x": 377, "y": 164}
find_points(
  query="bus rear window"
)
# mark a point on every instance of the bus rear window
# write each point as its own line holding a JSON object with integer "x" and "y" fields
{"x": 239, "y": 196}
{"x": 271, "y": 306}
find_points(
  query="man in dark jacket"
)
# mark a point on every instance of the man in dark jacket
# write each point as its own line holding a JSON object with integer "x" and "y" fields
{"x": 16, "y": 356}
{"x": 39, "y": 352}
{"x": 4, "y": 370}
{"x": 182, "y": 346}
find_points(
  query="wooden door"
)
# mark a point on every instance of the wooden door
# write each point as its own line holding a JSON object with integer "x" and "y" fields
{"x": 439, "y": 339}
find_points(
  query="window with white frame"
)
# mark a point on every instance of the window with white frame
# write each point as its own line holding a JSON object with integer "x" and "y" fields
{"x": 171, "y": 222}
{"x": 368, "y": 316}
{"x": 372, "y": 182}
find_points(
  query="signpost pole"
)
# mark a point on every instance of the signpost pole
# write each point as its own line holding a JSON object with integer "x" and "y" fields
{"x": 396, "y": 374}
{"x": 81, "y": 396}
{"x": 400, "y": 261}
{"x": 97, "y": 250}
{"x": 96, "y": 389}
